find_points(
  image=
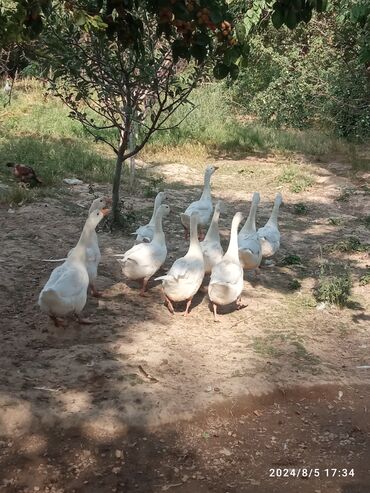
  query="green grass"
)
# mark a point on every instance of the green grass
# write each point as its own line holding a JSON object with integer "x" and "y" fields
{"x": 349, "y": 245}
{"x": 38, "y": 132}
{"x": 334, "y": 285}
{"x": 300, "y": 209}
{"x": 298, "y": 181}
{"x": 291, "y": 260}
{"x": 365, "y": 279}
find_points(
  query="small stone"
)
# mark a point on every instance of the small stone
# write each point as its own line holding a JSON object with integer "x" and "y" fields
{"x": 118, "y": 454}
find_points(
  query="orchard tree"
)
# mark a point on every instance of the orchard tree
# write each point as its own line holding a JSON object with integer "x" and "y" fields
{"x": 125, "y": 64}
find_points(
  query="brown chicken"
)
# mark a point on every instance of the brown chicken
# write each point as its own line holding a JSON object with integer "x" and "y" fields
{"x": 24, "y": 173}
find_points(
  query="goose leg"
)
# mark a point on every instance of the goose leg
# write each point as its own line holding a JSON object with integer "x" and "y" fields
{"x": 201, "y": 235}
{"x": 94, "y": 291}
{"x": 168, "y": 304}
{"x": 215, "y": 317}
{"x": 58, "y": 322}
{"x": 83, "y": 321}
{"x": 144, "y": 286}
{"x": 239, "y": 304}
{"x": 188, "y": 303}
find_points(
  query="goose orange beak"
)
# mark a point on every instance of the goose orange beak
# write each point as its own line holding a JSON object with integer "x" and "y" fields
{"x": 105, "y": 211}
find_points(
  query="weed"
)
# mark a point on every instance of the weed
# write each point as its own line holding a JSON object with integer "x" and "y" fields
{"x": 153, "y": 186}
{"x": 292, "y": 260}
{"x": 300, "y": 209}
{"x": 365, "y": 279}
{"x": 294, "y": 285}
{"x": 298, "y": 181}
{"x": 348, "y": 245}
{"x": 366, "y": 221}
{"x": 263, "y": 346}
{"x": 334, "y": 288}
{"x": 335, "y": 221}
{"x": 345, "y": 194}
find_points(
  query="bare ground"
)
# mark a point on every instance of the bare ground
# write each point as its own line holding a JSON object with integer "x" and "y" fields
{"x": 73, "y": 400}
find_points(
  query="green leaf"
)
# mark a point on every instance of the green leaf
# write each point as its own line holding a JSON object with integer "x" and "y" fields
{"x": 306, "y": 15}
{"x": 241, "y": 32}
{"x": 234, "y": 71}
{"x": 202, "y": 39}
{"x": 199, "y": 52}
{"x": 80, "y": 18}
{"x": 221, "y": 71}
{"x": 290, "y": 19}
{"x": 277, "y": 19}
{"x": 232, "y": 54}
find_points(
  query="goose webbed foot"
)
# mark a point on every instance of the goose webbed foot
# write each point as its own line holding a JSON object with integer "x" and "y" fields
{"x": 58, "y": 322}
{"x": 239, "y": 304}
{"x": 96, "y": 293}
{"x": 83, "y": 321}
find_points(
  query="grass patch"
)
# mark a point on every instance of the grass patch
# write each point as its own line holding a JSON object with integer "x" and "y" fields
{"x": 292, "y": 260}
{"x": 294, "y": 285}
{"x": 345, "y": 194}
{"x": 335, "y": 221}
{"x": 277, "y": 345}
{"x": 37, "y": 131}
{"x": 153, "y": 186}
{"x": 334, "y": 287}
{"x": 366, "y": 222}
{"x": 297, "y": 180}
{"x": 365, "y": 279}
{"x": 349, "y": 245}
{"x": 300, "y": 209}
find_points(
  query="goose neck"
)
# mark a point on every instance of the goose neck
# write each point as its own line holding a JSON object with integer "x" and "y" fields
{"x": 194, "y": 246}
{"x": 157, "y": 203}
{"x": 274, "y": 213}
{"x": 250, "y": 223}
{"x": 213, "y": 231}
{"x": 158, "y": 228}
{"x": 206, "y": 194}
{"x": 233, "y": 249}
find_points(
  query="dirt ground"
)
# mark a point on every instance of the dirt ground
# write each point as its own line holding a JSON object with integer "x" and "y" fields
{"x": 145, "y": 401}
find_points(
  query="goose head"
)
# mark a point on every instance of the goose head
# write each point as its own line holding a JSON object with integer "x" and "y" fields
{"x": 100, "y": 203}
{"x": 96, "y": 216}
{"x": 163, "y": 210}
{"x": 161, "y": 197}
{"x": 278, "y": 199}
{"x": 210, "y": 169}
{"x": 256, "y": 198}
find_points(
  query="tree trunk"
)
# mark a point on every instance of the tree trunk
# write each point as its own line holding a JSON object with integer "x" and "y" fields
{"x": 117, "y": 183}
{"x": 131, "y": 147}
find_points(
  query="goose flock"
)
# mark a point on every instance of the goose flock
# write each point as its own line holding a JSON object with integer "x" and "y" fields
{"x": 65, "y": 293}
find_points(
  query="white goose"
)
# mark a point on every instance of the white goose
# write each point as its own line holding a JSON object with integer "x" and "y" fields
{"x": 185, "y": 277}
{"x": 203, "y": 207}
{"x": 250, "y": 248}
{"x": 226, "y": 284}
{"x": 145, "y": 233}
{"x": 211, "y": 246}
{"x": 93, "y": 251}
{"x": 270, "y": 234}
{"x": 143, "y": 260}
{"x": 65, "y": 292}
